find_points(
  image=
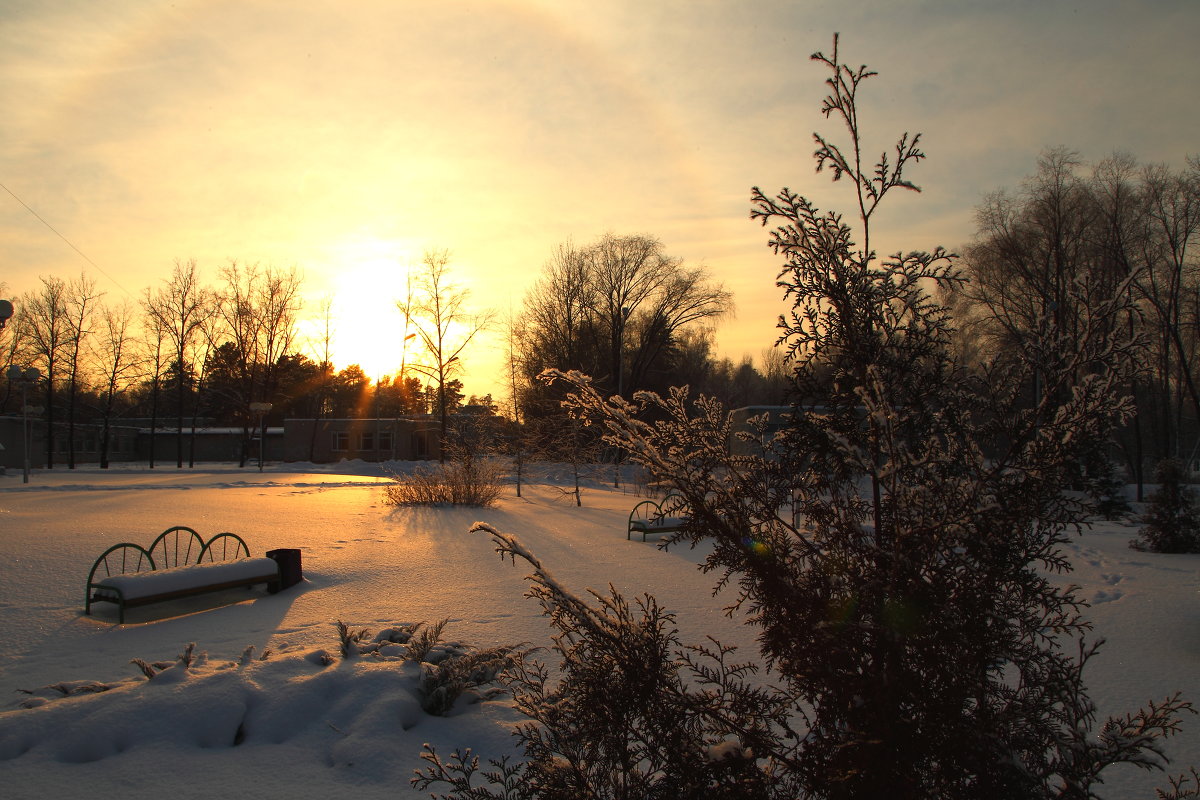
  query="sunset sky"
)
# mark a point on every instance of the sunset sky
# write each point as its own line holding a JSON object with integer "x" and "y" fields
{"x": 348, "y": 138}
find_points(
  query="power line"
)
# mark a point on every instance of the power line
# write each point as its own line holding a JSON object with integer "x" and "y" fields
{"x": 82, "y": 254}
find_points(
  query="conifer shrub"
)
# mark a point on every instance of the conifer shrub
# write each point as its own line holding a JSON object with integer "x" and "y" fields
{"x": 1171, "y": 523}
{"x": 627, "y": 711}
{"x": 896, "y": 544}
{"x": 1096, "y": 474}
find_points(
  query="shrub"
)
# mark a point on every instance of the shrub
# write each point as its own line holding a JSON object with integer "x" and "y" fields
{"x": 922, "y": 646}
{"x": 443, "y": 683}
{"x": 349, "y": 638}
{"x": 628, "y": 712}
{"x": 1171, "y": 523}
{"x": 458, "y": 482}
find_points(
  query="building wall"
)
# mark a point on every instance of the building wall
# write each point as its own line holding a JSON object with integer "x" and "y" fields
{"x": 323, "y": 441}
{"x": 123, "y": 443}
{"x": 331, "y": 440}
{"x": 207, "y": 445}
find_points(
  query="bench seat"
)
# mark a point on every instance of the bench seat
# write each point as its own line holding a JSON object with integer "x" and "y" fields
{"x": 162, "y": 584}
{"x": 142, "y": 588}
{"x": 663, "y": 525}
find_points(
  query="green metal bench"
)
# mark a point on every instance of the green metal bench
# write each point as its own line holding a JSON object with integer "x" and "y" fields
{"x": 668, "y": 515}
{"x": 128, "y": 575}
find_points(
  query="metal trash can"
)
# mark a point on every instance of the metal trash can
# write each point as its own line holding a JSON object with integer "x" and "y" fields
{"x": 290, "y": 571}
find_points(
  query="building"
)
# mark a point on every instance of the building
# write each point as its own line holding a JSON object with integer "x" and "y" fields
{"x": 328, "y": 440}
{"x": 320, "y": 441}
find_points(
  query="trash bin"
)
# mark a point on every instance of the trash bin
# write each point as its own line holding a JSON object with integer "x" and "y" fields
{"x": 290, "y": 571}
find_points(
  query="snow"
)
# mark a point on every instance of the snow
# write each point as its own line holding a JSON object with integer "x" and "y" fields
{"x": 164, "y": 581}
{"x": 306, "y": 723}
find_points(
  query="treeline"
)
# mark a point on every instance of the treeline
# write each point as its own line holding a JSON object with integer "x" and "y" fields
{"x": 1061, "y": 251}
{"x": 633, "y": 318}
{"x": 1045, "y": 258}
{"x": 185, "y": 354}
{"x": 189, "y": 354}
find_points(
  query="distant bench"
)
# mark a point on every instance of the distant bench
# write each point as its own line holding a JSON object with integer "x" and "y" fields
{"x": 186, "y": 565}
{"x": 666, "y": 516}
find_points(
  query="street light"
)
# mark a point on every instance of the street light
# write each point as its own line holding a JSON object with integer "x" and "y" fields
{"x": 261, "y": 409}
{"x": 23, "y": 379}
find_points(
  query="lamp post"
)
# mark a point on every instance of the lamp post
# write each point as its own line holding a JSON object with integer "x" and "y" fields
{"x": 261, "y": 410}
{"x": 24, "y": 378}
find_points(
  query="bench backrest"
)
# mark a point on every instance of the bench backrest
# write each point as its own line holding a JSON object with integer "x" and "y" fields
{"x": 648, "y": 511}
{"x": 176, "y": 547}
{"x": 121, "y": 559}
{"x": 224, "y": 547}
{"x": 673, "y": 505}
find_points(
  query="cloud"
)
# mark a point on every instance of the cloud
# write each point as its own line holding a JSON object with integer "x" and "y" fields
{"x": 273, "y": 131}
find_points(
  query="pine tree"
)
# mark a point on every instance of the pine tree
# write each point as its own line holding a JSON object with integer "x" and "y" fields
{"x": 1171, "y": 523}
{"x": 911, "y": 604}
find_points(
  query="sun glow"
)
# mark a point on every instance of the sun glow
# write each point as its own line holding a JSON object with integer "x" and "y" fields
{"x": 367, "y": 327}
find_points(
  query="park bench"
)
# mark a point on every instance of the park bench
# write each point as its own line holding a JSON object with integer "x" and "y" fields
{"x": 179, "y": 563}
{"x": 668, "y": 515}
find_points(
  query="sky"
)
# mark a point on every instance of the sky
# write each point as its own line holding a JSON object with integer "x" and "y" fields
{"x": 346, "y": 140}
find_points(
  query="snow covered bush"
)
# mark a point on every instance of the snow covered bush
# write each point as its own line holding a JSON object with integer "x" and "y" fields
{"x": 461, "y": 481}
{"x": 449, "y": 670}
{"x": 469, "y": 475}
{"x": 349, "y": 638}
{"x": 1171, "y": 523}
{"x": 627, "y": 712}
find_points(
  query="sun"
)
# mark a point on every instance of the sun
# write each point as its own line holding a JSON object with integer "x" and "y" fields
{"x": 367, "y": 327}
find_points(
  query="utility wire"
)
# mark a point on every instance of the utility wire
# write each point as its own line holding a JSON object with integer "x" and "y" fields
{"x": 65, "y": 239}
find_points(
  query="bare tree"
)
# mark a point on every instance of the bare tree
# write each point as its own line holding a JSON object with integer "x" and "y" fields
{"x": 1042, "y": 255}
{"x": 259, "y": 309}
{"x": 320, "y": 403}
{"x": 407, "y": 308}
{"x": 444, "y": 327}
{"x": 14, "y": 343}
{"x": 615, "y": 310}
{"x": 154, "y": 346}
{"x": 179, "y": 309}
{"x": 49, "y": 334}
{"x": 1168, "y": 280}
{"x": 517, "y": 440}
{"x": 557, "y": 326}
{"x": 81, "y": 300}
{"x": 119, "y": 365}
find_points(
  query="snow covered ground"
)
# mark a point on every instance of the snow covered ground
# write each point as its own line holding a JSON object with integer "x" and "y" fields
{"x": 307, "y": 729}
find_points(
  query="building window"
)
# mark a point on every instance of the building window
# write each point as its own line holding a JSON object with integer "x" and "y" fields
{"x": 341, "y": 440}
{"x": 367, "y": 440}
{"x": 385, "y": 441}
